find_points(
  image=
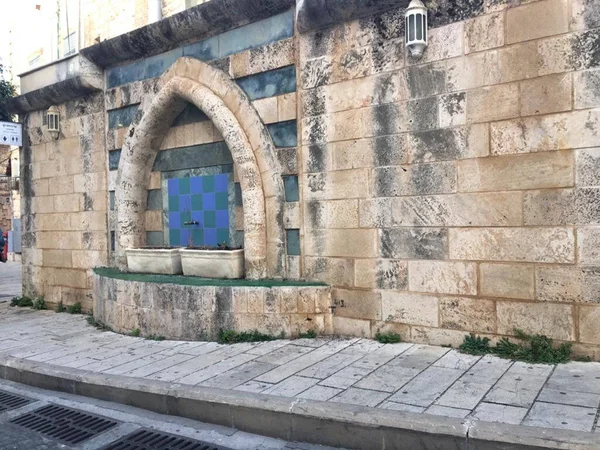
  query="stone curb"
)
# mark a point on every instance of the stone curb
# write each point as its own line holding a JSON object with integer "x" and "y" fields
{"x": 296, "y": 420}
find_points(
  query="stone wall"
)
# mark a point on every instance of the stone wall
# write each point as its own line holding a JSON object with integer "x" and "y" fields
{"x": 64, "y": 206}
{"x": 466, "y": 181}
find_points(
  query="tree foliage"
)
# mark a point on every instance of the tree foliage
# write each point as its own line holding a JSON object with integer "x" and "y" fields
{"x": 7, "y": 91}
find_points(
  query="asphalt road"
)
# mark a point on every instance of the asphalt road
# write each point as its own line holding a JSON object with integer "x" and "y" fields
{"x": 129, "y": 420}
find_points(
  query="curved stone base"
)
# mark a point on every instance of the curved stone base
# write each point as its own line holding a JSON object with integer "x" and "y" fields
{"x": 178, "y": 311}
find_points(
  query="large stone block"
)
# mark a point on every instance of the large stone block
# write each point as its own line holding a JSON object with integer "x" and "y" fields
{"x": 589, "y": 318}
{"x": 344, "y": 326}
{"x": 414, "y": 243}
{"x": 584, "y": 15}
{"x": 468, "y": 314}
{"x": 449, "y": 144}
{"x": 87, "y": 259}
{"x": 334, "y": 243}
{"x": 57, "y": 258}
{"x": 381, "y": 274}
{"x": 357, "y": 304}
{"x": 587, "y": 89}
{"x": 588, "y": 245}
{"x": 444, "y": 42}
{"x": 568, "y": 284}
{"x": 536, "y": 20}
{"x": 562, "y": 207}
{"x": 68, "y": 203}
{"x": 445, "y": 277}
{"x": 588, "y": 167}
{"x": 513, "y": 172}
{"x": 545, "y": 95}
{"x": 507, "y": 280}
{"x": 341, "y": 184}
{"x": 334, "y": 271}
{"x": 458, "y": 210}
{"x": 381, "y": 151}
{"x": 493, "y": 103}
{"x": 484, "y": 32}
{"x": 553, "y": 320}
{"x": 578, "y": 129}
{"x": 342, "y": 214}
{"x": 409, "y": 308}
{"x": 546, "y": 245}
{"x": 453, "y": 109}
{"x": 70, "y": 278}
{"x": 64, "y": 240}
{"x": 416, "y": 179}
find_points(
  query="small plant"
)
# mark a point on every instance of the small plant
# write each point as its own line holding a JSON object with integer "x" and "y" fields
{"x": 234, "y": 337}
{"x": 310, "y": 334}
{"x": 99, "y": 325}
{"x": 21, "y": 302}
{"x": 60, "y": 308}
{"x": 388, "y": 338}
{"x": 475, "y": 345}
{"x": 135, "y": 332}
{"x": 154, "y": 337}
{"x": 39, "y": 303}
{"x": 535, "y": 348}
{"x": 74, "y": 309}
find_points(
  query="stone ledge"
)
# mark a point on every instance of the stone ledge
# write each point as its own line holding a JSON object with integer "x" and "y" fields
{"x": 296, "y": 420}
{"x": 198, "y": 22}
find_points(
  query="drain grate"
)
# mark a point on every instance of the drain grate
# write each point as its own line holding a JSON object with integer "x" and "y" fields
{"x": 152, "y": 440}
{"x": 11, "y": 401}
{"x": 67, "y": 425}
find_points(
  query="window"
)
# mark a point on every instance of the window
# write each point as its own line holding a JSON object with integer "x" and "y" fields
{"x": 70, "y": 44}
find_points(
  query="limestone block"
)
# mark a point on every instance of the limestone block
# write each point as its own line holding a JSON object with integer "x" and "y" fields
{"x": 65, "y": 240}
{"x": 70, "y": 278}
{"x": 68, "y": 203}
{"x": 513, "y": 172}
{"x": 497, "y": 209}
{"x": 88, "y": 221}
{"x": 588, "y": 245}
{"x": 94, "y": 240}
{"x": 507, "y": 280}
{"x": 387, "y": 55}
{"x": 416, "y": 179}
{"x": 453, "y": 109}
{"x": 484, "y": 32}
{"x": 357, "y": 304}
{"x": 334, "y": 271}
{"x": 268, "y": 57}
{"x": 53, "y": 222}
{"x": 57, "y": 258}
{"x": 553, "y": 320}
{"x": 436, "y": 336}
{"x": 267, "y": 109}
{"x": 444, "y": 277}
{"x": 517, "y": 62}
{"x": 98, "y": 201}
{"x": 588, "y": 167}
{"x": 354, "y": 63}
{"x": 334, "y": 243}
{"x": 468, "y": 314}
{"x": 536, "y": 20}
{"x": 380, "y": 151}
{"x": 41, "y": 187}
{"x": 444, "y": 42}
{"x": 587, "y": 89}
{"x": 449, "y": 144}
{"x": 414, "y": 243}
{"x": 291, "y": 216}
{"x": 409, "y": 308}
{"x": 344, "y": 326}
{"x": 493, "y": 103}
{"x": 154, "y": 221}
{"x": 548, "y": 245}
{"x": 286, "y": 107}
{"x": 578, "y": 129}
{"x": 154, "y": 181}
{"x": 288, "y": 299}
{"x": 293, "y": 267}
{"x": 342, "y": 214}
{"x": 381, "y": 274}
{"x": 562, "y": 207}
{"x": 340, "y": 184}
{"x": 316, "y": 72}
{"x": 589, "y": 318}
{"x": 256, "y": 300}
{"x": 568, "y": 284}
{"x": 86, "y": 259}
{"x": 544, "y": 95}
{"x": 42, "y": 205}
{"x": 307, "y": 298}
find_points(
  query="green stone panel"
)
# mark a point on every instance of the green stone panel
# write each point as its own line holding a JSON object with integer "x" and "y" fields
{"x": 173, "y": 203}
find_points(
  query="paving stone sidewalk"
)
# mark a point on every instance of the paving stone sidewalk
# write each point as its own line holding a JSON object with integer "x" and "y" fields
{"x": 404, "y": 377}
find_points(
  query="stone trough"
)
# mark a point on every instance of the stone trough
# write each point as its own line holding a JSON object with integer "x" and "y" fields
{"x": 191, "y": 308}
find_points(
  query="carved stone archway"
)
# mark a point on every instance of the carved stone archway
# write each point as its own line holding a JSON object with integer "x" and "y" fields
{"x": 253, "y": 152}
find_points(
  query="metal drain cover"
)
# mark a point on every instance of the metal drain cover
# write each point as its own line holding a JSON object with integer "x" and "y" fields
{"x": 11, "y": 401}
{"x": 152, "y": 440}
{"x": 66, "y": 425}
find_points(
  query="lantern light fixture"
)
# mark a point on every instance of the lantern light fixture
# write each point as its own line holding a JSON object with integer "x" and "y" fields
{"x": 416, "y": 28}
{"x": 53, "y": 121}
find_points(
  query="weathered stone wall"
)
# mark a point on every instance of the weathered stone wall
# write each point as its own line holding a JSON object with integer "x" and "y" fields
{"x": 64, "y": 187}
{"x": 456, "y": 193}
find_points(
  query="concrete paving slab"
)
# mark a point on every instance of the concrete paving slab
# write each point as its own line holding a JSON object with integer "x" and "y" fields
{"x": 565, "y": 417}
{"x": 426, "y": 387}
{"x": 346, "y": 377}
{"x": 569, "y": 397}
{"x": 491, "y": 412}
{"x": 291, "y": 386}
{"x": 364, "y": 397}
{"x": 438, "y": 410}
{"x": 402, "y": 407}
{"x": 320, "y": 393}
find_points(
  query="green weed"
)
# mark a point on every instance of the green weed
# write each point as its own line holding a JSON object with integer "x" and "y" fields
{"x": 39, "y": 303}
{"x": 310, "y": 334}
{"x": 74, "y": 309}
{"x": 233, "y": 337}
{"x": 388, "y": 338}
{"x": 22, "y": 302}
{"x": 135, "y": 332}
{"x": 60, "y": 308}
{"x": 154, "y": 337}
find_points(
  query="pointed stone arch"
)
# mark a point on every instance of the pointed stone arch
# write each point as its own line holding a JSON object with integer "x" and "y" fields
{"x": 253, "y": 152}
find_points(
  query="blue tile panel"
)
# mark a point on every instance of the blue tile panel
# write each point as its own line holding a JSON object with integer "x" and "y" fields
{"x": 203, "y": 200}
{"x": 253, "y": 35}
{"x": 191, "y": 114}
{"x": 154, "y": 200}
{"x": 112, "y": 240}
{"x": 122, "y": 117}
{"x": 291, "y": 188}
{"x": 114, "y": 157}
{"x": 292, "y": 239}
{"x": 268, "y": 84}
{"x": 155, "y": 239}
{"x": 284, "y": 134}
{"x": 204, "y": 155}
{"x": 111, "y": 200}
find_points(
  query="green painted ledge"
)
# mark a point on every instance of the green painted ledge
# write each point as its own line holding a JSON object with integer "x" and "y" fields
{"x": 195, "y": 281}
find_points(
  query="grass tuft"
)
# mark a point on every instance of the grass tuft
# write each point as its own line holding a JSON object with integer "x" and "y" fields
{"x": 234, "y": 337}
{"x": 388, "y": 338}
